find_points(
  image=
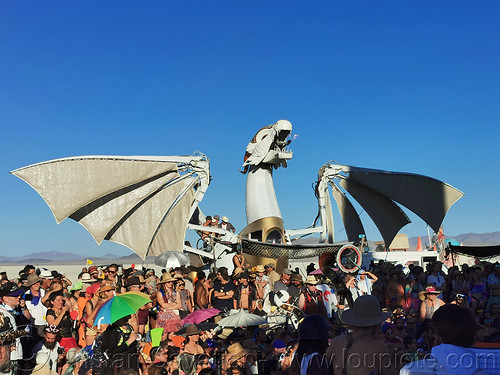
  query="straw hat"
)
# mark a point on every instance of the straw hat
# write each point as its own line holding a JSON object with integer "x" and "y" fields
{"x": 167, "y": 277}
{"x": 365, "y": 312}
{"x": 46, "y": 274}
{"x": 260, "y": 268}
{"x": 428, "y": 290}
{"x": 310, "y": 279}
{"x": 225, "y": 219}
{"x": 33, "y": 279}
{"x": 225, "y": 333}
{"x": 86, "y": 278}
{"x": 236, "y": 351}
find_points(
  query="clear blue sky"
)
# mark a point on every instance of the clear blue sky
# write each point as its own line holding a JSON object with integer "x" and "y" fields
{"x": 398, "y": 85}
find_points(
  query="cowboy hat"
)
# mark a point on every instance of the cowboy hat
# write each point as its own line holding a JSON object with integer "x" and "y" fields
{"x": 33, "y": 279}
{"x": 225, "y": 219}
{"x": 236, "y": 351}
{"x": 365, "y": 312}
{"x": 106, "y": 287}
{"x": 166, "y": 277}
{"x": 46, "y": 274}
{"x": 310, "y": 279}
{"x": 260, "y": 268}
{"x": 192, "y": 330}
{"x": 428, "y": 290}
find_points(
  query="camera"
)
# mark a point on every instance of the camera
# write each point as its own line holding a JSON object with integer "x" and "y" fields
{"x": 60, "y": 350}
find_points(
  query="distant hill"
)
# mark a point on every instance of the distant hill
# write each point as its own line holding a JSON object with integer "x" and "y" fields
{"x": 54, "y": 257}
{"x": 470, "y": 239}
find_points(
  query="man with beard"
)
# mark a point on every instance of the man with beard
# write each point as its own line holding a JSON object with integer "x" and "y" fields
{"x": 48, "y": 350}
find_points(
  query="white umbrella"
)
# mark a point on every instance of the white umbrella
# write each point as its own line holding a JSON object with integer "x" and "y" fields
{"x": 242, "y": 318}
{"x": 172, "y": 259}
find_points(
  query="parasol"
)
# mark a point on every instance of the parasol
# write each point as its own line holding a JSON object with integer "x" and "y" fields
{"x": 120, "y": 306}
{"x": 242, "y": 318}
{"x": 172, "y": 259}
{"x": 199, "y": 316}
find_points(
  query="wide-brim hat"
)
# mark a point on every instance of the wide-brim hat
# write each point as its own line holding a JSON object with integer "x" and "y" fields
{"x": 286, "y": 271}
{"x": 296, "y": 277}
{"x": 236, "y": 351}
{"x": 133, "y": 280}
{"x": 365, "y": 312}
{"x": 428, "y": 290}
{"x": 46, "y": 274}
{"x": 86, "y": 278}
{"x": 310, "y": 279}
{"x": 192, "y": 330}
{"x": 33, "y": 279}
{"x": 225, "y": 219}
{"x": 166, "y": 278}
{"x": 270, "y": 265}
{"x": 93, "y": 269}
{"x": 106, "y": 287}
{"x": 260, "y": 268}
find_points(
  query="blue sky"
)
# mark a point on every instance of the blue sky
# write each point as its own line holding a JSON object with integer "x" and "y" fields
{"x": 397, "y": 85}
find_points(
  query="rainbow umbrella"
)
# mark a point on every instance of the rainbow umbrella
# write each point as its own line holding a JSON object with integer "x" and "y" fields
{"x": 119, "y": 306}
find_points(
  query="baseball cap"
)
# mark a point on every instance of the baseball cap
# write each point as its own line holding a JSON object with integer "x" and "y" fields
{"x": 10, "y": 289}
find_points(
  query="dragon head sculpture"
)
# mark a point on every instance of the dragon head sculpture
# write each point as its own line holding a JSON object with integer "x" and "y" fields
{"x": 269, "y": 146}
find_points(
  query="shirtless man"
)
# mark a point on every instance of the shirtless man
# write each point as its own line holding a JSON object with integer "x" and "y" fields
{"x": 361, "y": 352}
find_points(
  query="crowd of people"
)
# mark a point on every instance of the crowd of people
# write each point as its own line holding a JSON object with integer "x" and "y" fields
{"x": 396, "y": 319}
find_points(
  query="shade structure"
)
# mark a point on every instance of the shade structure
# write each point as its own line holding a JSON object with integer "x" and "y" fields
{"x": 199, "y": 316}
{"x": 143, "y": 202}
{"x": 242, "y": 318}
{"x": 119, "y": 306}
{"x": 172, "y": 259}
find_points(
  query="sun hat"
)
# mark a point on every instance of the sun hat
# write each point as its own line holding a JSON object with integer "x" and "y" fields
{"x": 365, "y": 312}
{"x": 106, "y": 287}
{"x": 192, "y": 330}
{"x": 270, "y": 265}
{"x": 310, "y": 279}
{"x": 296, "y": 277}
{"x": 10, "y": 289}
{"x": 76, "y": 286}
{"x": 225, "y": 219}
{"x": 225, "y": 333}
{"x": 133, "y": 280}
{"x": 286, "y": 271}
{"x": 46, "y": 274}
{"x": 93, "y": 269}
{"x": 86, "y": 278}
{"x": 314, "y": 327}
{"x": 166, "y": 277}
{"x": 260, "y": 268}
{"x": 428, "y": 290}
{"x": 236, "y": 351}
{"x": 33, "y": 279}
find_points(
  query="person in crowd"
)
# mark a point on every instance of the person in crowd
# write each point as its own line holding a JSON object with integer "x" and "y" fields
{"x": 456, "y": 329}
{"x": 494, "y": 286}
{"x": 111, "y": 273}
{"x": 48, "y": 351}
{"x": 6, "y": 344}
{"x": 238, "y": 262}
{"x": 245, "y": 296}
{"x": 223, "y": 291}
{"x": 168, "y": 304}
{"x": 36, "y": 308}
{"x": 10, "y": 295}
{"x": 395, "y": 290}
{"x": 311, "y": 299}
{"x": 136, "y": 284}
{"x": 284, "y": 281}
{"x": 59, "y": 315}
{"x": 436, "y": 278}
{"x": 366, "y": 279}
{"x": 478, "y": 290}
{"x": 192, "y": 345}
{"x": 236, "y": 358}
{"x": 119, "y": 342}
{"x": 102, "y": 294}
{"x": 185, "y": 298}
{"x": 272, "y": 274}
{"x": 208, "y": 223}
{"x": 295, "y": 288}
{"x": 430, "y": 302}
{"x": 226, "y": 225}
{"x": 362, "y": 344}
{"x": 201, "y": 291}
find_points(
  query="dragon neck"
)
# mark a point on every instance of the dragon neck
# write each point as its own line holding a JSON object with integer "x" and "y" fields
{"x": 261, "y": 199}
